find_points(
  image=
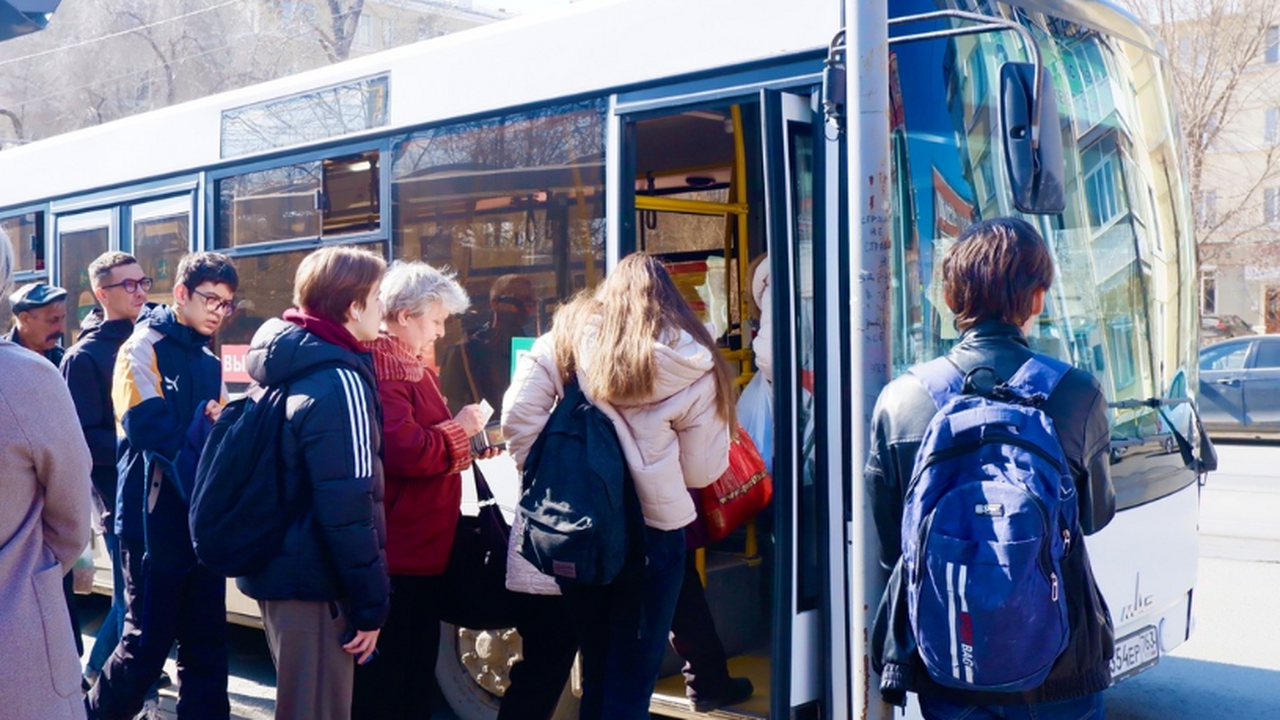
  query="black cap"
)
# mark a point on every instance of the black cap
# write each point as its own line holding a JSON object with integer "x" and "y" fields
{"x": 35, "y": 295}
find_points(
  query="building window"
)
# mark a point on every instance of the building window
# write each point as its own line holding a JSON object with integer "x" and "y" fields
{"x": 388, "y": 33}
{"x": 297, "y": 12}
{"x": 1271, "y": 205}
{"x": 988, "y": 178}
{"x": 1207, "y": 209}
{"x": 1208, "y": 292}
{"x": 1123, "y": 361}
{"x": 1273, "y": 126}
{"x": 978, "y": 76}
{"x": 426, "y": 29}
{"x": 1273, "y": 44}
{"x": 364, "y": 31}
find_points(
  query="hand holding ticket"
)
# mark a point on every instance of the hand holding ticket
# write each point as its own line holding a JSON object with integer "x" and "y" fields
{"x": 472, "y": 418}
{"x": 489, "y": 441}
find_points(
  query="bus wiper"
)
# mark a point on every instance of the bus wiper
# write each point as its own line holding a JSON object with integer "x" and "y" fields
{"x": 1207, "y": 461}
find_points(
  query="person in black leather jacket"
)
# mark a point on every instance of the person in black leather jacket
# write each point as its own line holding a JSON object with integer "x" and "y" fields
{"x": 995, "y": 279}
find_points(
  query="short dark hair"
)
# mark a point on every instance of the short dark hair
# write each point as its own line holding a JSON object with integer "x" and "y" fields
{"x": 102, "y": 265}
{"x": 199, "y": 268}
{"x": 993, "y": 271}
{"x": 331, "y": 279}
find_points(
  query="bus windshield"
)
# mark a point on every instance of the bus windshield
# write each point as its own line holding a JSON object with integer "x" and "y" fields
{"x": 1123, "y": 247}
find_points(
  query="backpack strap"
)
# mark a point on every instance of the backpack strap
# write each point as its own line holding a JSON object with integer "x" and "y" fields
{"x": 941, "y": 378}
{"x": 1039, "y": 375}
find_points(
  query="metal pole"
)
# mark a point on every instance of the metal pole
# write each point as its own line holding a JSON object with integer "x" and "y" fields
{"x": 867, "y": 60}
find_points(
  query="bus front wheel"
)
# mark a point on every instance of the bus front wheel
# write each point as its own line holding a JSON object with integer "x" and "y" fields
{"x": 473, "y": 671}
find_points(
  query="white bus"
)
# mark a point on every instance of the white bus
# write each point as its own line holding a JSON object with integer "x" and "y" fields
{"x": 851, "y": 141}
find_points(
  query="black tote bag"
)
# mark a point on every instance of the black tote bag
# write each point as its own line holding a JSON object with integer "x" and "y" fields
{"x": 475, "y": 593}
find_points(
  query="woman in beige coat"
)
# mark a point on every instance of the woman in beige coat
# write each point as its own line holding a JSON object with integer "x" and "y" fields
{"x": 44, "y": 525}
{"x": 642, "y": 357}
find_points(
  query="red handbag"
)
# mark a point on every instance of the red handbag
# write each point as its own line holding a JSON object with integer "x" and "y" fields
{"x": 741, "y": 492}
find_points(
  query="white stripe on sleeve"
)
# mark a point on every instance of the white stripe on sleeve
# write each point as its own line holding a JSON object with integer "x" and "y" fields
{"x": 359, "y": 417}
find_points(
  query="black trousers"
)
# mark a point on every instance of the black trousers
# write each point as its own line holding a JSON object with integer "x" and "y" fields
{"x": 622, "y": 630}
{"x": 548, "y": 647}
{"x": 694, "y": 637}
{"x": 69, "y": 591}
{"x": 398, "y": 683}
{"x": 163, "y": 606}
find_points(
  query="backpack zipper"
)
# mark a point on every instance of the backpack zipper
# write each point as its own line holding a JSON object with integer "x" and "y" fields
{"x": 990, "y": 439}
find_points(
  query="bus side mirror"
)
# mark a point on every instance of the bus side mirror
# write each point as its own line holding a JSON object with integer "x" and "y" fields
{"x": 1032, "y": 141}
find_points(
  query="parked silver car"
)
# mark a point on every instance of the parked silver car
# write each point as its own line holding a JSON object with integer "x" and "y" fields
{"x": 1240, "y": 387}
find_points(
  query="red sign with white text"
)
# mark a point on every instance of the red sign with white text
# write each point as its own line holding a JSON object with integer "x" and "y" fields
{"x": 234, "y": 369}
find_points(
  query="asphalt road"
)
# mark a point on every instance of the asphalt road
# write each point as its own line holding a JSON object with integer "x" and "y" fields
{"x": 1230, "y": 668}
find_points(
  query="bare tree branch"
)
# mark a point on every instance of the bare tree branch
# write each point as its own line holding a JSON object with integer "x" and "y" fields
{"x": 1215, "y": 49}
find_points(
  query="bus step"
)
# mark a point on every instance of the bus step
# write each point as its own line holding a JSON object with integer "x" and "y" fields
{"x": 669, "y": 698}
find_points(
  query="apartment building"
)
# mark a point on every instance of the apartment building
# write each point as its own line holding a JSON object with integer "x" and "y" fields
{"x": 1238, "y": 202}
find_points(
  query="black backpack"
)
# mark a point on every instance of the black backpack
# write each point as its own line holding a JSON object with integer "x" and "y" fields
{"x": 582, "y": 519}
{"x": 243, "y": 502}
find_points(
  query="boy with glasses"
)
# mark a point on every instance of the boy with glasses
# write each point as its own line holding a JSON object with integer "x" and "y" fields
{"x": 120, "y": 287}
{"x": 167, "y": 391}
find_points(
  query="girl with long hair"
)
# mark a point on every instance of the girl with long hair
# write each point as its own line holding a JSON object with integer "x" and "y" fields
{"x": 644, "y": 359}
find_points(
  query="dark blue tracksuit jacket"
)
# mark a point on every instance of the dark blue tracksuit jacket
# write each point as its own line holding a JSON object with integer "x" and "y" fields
{"x": 165, "y": 373}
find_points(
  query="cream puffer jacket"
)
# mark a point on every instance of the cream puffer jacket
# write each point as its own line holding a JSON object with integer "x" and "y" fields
{"x": 672, "y": 440}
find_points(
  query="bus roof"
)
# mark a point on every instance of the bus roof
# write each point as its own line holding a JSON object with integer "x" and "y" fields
{"x": 525, "y": 60}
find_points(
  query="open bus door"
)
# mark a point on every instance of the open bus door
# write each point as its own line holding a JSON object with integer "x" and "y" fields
{"x": 715, "y": 187}
{"x": 800, "y": 170}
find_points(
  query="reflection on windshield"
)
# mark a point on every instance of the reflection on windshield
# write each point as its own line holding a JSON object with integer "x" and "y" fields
{"x": 1118, "y": 307}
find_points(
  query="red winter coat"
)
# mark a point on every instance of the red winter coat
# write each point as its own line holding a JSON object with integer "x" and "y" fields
{"x": 425, "y": 452}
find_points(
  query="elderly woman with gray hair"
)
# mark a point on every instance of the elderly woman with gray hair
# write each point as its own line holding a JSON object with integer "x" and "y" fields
{"x": 44, "y": 524}
{"x": 426, "y": 447}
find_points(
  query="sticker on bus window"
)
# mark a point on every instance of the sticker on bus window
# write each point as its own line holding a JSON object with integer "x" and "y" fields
{"x": 520, "y": 346}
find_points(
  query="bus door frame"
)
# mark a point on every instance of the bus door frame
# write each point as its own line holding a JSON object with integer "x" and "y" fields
{"x": 808, "y": 631}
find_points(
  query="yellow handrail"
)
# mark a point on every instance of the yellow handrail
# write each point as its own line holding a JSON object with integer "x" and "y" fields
{"x": 688, "y": 207}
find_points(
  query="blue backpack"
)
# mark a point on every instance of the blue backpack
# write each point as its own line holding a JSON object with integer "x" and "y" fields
{"x": 989, "y": 515}
{"x": 582, "y": 520}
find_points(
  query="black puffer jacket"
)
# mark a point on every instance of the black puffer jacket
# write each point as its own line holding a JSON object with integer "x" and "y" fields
{"x": 87, "y": 368}
{"x": 1078, "y": 410}
{"x": 333, "y": 444}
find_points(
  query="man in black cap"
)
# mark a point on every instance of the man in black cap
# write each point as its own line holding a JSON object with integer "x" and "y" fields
{"x": 40, "y": 318}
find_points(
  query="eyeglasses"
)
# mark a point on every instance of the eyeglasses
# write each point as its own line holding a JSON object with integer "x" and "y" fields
{"x": 131, "y": 286}
{"x": 517, "y": 301}
{"x": 213, "y": 303}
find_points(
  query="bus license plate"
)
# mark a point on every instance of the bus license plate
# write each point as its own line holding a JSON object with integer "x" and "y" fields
{"x": 1135, "y": 652}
